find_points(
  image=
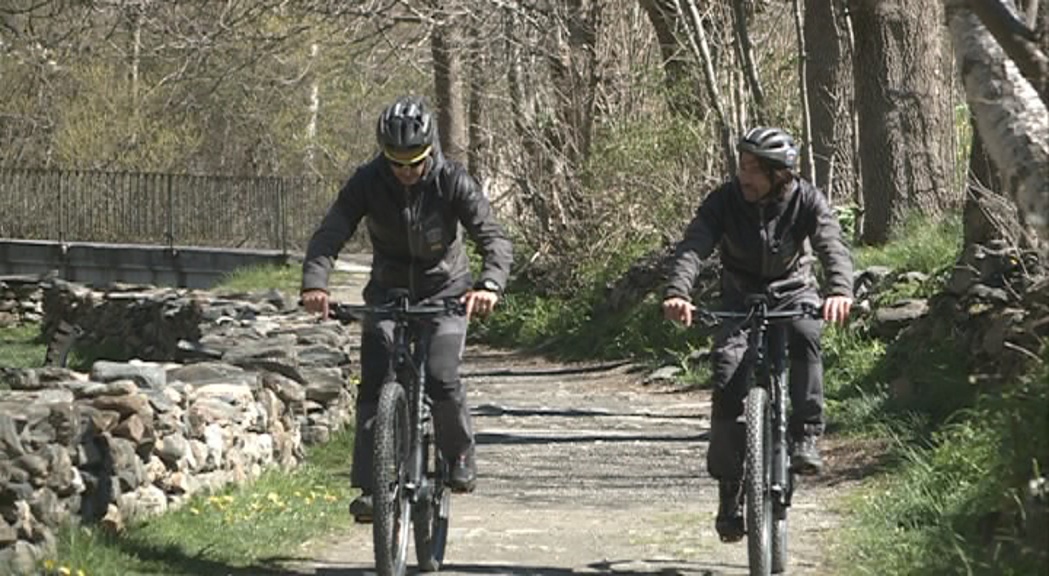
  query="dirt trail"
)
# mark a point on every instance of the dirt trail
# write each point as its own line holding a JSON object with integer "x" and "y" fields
{"x": 583, "y": 470}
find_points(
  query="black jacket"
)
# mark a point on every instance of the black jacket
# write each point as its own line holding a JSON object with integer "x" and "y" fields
{"x": 763, "y": 244}
{"x": 416, "y": 243}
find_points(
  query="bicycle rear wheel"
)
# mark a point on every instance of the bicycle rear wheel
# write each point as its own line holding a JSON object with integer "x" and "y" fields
{"x": 756, "y": 484}
{"x": 430, "y": 517}
{"x": 392, "y": 507}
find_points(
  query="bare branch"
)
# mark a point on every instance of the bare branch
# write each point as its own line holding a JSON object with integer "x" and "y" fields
{"x": 747, "y": 54}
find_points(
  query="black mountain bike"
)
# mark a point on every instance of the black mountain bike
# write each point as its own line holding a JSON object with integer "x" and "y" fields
{"x": 409, "y": 471}
{"x": 768, "y": 481}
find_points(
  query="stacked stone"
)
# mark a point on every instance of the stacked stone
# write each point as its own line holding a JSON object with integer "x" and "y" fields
{"x": 133, "y": 438}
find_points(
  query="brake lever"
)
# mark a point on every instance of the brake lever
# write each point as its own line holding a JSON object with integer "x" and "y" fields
{"x": 705, "y": 317}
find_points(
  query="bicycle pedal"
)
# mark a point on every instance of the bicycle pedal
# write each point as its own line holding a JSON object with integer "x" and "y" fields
{"x": 731, "y": 539}
{"x": 462, "y": 489}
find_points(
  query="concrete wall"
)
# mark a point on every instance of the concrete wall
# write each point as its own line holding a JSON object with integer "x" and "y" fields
{"x": 99, "y": 264}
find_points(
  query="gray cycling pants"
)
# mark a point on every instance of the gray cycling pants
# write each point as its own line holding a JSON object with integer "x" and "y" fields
{"x": 451, "y": 414}
{"x": 729, "y": 379}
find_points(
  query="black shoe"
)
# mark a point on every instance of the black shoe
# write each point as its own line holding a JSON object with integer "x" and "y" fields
{"x": 361, "y": 509}
{"x": 729, "y": 523}
{"x": 463, "y": 475}
{"x": 806, "y": 461}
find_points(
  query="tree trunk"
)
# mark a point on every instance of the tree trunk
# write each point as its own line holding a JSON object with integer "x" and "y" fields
{"x": 903, "y": 101}
{"x": 1018, "y": 42}
{"x": 688, "y": 12}
{"x": 574, "y": 67}
{"x": 807, "y": 169}
{"x": 829, "y": 79}
{"x": 988, "y": 215}
{"x": 1009, "y": 114}
{"x": 683, "y": 92}
{"x": 746, "y": 54}
{"x": 480, "y": 140}
{"x": 447, "y": 80}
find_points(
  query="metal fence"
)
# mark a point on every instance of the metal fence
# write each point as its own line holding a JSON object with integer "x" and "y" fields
{"x": 173, "y": 209}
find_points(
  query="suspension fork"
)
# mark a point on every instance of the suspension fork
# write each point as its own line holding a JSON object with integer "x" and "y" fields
{"x": 417, "y": 398}
{"x": 769, "y": 364}
{"x": 759, "y": 345}
{"x": 782, "y": 485}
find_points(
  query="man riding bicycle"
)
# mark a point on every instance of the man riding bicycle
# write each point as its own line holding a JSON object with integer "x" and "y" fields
{"x": 766, "y": 221}
{"x": 414, "y": 200}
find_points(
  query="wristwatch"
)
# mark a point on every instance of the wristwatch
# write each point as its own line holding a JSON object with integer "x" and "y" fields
{"x": 490, "y": 285}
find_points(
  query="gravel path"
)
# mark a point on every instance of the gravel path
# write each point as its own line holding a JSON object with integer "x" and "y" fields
{"x": 584, "y": 470}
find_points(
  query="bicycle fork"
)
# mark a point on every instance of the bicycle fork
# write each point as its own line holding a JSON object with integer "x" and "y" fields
{"x": 782, "y": 487}
{"x": 417, "y": 485}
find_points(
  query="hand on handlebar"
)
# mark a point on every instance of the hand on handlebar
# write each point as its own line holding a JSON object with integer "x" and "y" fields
{"x": 316, "y": 301}
{"x": 836, "y": 309}
{"x": 480, "y": 301}
{"x": 678, "y": 310}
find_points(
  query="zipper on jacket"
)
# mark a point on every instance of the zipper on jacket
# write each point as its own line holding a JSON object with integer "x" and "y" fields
{"x": 409, "y": 225}
{"x": 763, "y": 234}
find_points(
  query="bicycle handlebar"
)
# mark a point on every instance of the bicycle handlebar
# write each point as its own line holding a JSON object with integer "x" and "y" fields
{"x": 776, "y": 316}
{"x": 395, "y": 309}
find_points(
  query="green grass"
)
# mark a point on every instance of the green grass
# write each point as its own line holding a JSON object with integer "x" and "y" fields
{"x": 238, "y": 531}
{"x": 918, "y": 246}
{"x": 955, "y": 505}
{"x": 286, "y": 278}
{"x": 21, "y": 346}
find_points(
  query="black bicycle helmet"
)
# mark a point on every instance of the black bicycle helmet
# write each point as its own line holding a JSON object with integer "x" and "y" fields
{"x": 406, "y": 129}
{"x": 773, "y": 145}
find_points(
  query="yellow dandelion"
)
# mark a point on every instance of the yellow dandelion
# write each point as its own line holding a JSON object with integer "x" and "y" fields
{"x": 194, "y": 511}
{"x": 65, "y": 571}
{"x": 308, "y": 500}
{"x": 49, "y": 564}
{"x": 273, "y": 497}
{"x": 228, "y": 498}
{"x": 298, "y": 494}
{"x": 81, "y": 573}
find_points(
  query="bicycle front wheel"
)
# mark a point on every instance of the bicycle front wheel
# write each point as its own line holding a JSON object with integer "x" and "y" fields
{"x": 392, "y": 519}
{"x": 779, "y": 541}
{"x": 758, "y": 464}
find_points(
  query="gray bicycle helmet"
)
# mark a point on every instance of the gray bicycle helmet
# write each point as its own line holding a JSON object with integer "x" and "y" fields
{"x": 406, "y": 128}
{"x": 773, "y": 145}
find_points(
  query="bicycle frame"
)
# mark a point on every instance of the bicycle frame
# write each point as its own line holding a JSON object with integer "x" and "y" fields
{"x": 407, "y": 362}
{"x": 410, "y": 348}
{"x": 769, "y": 367}
{"x": 768, "y": 370}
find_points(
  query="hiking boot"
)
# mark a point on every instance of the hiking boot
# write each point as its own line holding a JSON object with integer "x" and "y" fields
{"x": 361, "y": 509}
{"x": 462, "y": 477}
{"x": 729, "y": 523}
{"x": 806, "y": 461}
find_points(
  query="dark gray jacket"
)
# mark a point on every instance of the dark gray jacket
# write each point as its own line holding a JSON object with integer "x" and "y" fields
{"x": 414, "y": 232}
{"x": 763, "y": 244}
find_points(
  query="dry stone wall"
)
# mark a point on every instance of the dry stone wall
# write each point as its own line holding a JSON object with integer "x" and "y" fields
{"x": 255, "y": 382}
